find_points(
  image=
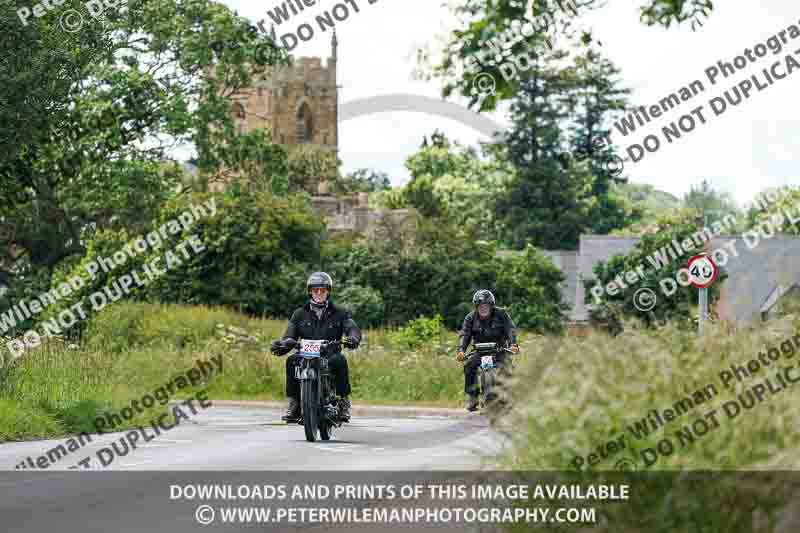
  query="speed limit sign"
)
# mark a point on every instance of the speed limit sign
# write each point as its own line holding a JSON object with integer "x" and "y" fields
{"x": 702, "y": 271}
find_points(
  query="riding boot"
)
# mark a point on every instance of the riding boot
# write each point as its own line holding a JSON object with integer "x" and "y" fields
{"x": 344, "y": 409}
{"x": 472, "y": 402}
{"x": 293, "y": 411}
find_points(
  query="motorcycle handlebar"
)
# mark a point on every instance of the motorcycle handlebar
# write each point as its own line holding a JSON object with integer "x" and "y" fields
{"x": 325, "y": 344}
{"x": 470, "y": 354}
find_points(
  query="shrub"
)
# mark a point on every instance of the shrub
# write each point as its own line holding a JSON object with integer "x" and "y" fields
{"x": 418, "y": 332}
{"x": 365, "y": 303}
{"x": 530, "y": 283}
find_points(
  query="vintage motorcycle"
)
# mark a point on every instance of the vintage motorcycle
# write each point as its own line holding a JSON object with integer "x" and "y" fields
{"x": 487, "y": 371}
{"x": 319, "y": 402}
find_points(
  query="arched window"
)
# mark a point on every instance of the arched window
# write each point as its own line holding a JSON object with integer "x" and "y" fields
{"x": 238, "y": 111}
{"x": 304, "y": 124}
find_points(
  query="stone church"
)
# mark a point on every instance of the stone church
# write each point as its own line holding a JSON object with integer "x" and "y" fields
{"x": 298, "y": 103}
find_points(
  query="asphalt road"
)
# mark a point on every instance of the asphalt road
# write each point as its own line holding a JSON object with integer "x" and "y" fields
{"x": 233, "y": 438}
{"x": 226, "y": 445}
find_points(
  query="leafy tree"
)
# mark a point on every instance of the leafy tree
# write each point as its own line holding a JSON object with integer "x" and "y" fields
{"x": 594, "y": 97}
{"x": 482, "y": 22}
{"x": 665, "y": 12}
{"x": 366, "y": 180}
{"x": 420, "y": 194}
{"x": 365, "y": 303}
{"x": 559, "y": 146}
{"x": 531, "y": 284}
{"x": 257, "y": 249}
{"x": 646, "y": 197}
{"x": 439, "y": 270}
{"x": 713, "y": 204}
{"x": 454, "y": 181}
{"x": 309, "y": 164}
{"x": 788, "y": 203}
{"x": 88, "y": 149}
{"x": 546, "y": 203}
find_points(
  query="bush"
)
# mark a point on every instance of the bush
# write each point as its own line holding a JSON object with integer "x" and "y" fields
{"x": 365, "y": 303}
{"x": 418, "y": 332}
{"x": 530, "y": 283}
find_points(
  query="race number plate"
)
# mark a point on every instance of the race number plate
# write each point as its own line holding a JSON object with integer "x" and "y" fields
{"x": 487, "y": 361}
{"x": 310, "y": 348}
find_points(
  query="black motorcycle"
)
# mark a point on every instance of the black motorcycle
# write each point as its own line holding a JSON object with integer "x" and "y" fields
{"x": 488, "y": 370}
{"x": 319, "y": 402}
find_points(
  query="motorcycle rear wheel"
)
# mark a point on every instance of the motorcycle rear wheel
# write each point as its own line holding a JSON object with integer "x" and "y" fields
{"x": 325, "y": 425}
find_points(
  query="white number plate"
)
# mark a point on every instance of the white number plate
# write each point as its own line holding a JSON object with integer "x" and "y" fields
{"x": 487, "y": 361}
{"x": 310, "y": 348}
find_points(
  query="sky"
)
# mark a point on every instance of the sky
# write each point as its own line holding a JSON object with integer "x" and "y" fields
{"x": 748, "y": 148}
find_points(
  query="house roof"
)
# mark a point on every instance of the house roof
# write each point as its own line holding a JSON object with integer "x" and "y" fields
{"x": 757, "y": 273}
{"x": 567, "y": 262}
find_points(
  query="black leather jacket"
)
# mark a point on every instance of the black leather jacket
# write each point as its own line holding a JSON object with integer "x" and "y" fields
{"x": 334, "y": 323}
{"x": 497, "y": 327}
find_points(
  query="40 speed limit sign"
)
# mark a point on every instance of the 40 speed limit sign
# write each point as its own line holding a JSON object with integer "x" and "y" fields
{"x": 702, "y": 271}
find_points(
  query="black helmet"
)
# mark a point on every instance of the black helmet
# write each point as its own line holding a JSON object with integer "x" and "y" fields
{"x": 319, "y": 279}
{"x": 483, "y": 297}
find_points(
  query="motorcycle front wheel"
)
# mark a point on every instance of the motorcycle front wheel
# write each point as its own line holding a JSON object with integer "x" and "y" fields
{"x": 488, "y": 383}
{"x": 310, "y": 406}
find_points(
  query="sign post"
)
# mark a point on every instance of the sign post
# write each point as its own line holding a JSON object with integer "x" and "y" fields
{"x": 702, "y": 274}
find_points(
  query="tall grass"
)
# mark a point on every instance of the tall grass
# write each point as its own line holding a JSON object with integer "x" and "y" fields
{"x": 576, "y": 394}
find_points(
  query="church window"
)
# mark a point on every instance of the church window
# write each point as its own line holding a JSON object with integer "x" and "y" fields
{"x": 304, "y": 124}
{"x": 238, "y": 111}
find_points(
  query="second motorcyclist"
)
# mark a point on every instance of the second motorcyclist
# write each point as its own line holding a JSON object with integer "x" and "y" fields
{"x": 486, "y": 323}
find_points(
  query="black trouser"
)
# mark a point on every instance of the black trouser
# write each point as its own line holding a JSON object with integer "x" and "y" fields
{"x": 336, "y": 363}
{"x": 471, "y": 371}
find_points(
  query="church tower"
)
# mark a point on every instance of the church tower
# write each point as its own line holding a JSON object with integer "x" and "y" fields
{"x": 297, "y": 103}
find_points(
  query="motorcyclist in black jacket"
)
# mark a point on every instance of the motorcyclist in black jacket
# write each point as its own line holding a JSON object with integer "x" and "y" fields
{"x": 486, "y": 323}
{"x": 319, "y": 319}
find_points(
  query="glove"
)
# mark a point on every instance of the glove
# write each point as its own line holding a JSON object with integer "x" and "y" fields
{"x": 279, "y": 348}
{"x": 515, "y": 348}
{"x": 351, "y": 343}
{"x": 460, "y": 357}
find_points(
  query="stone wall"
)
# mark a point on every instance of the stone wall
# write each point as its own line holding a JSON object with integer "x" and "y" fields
{"x": 353, "y": 213}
